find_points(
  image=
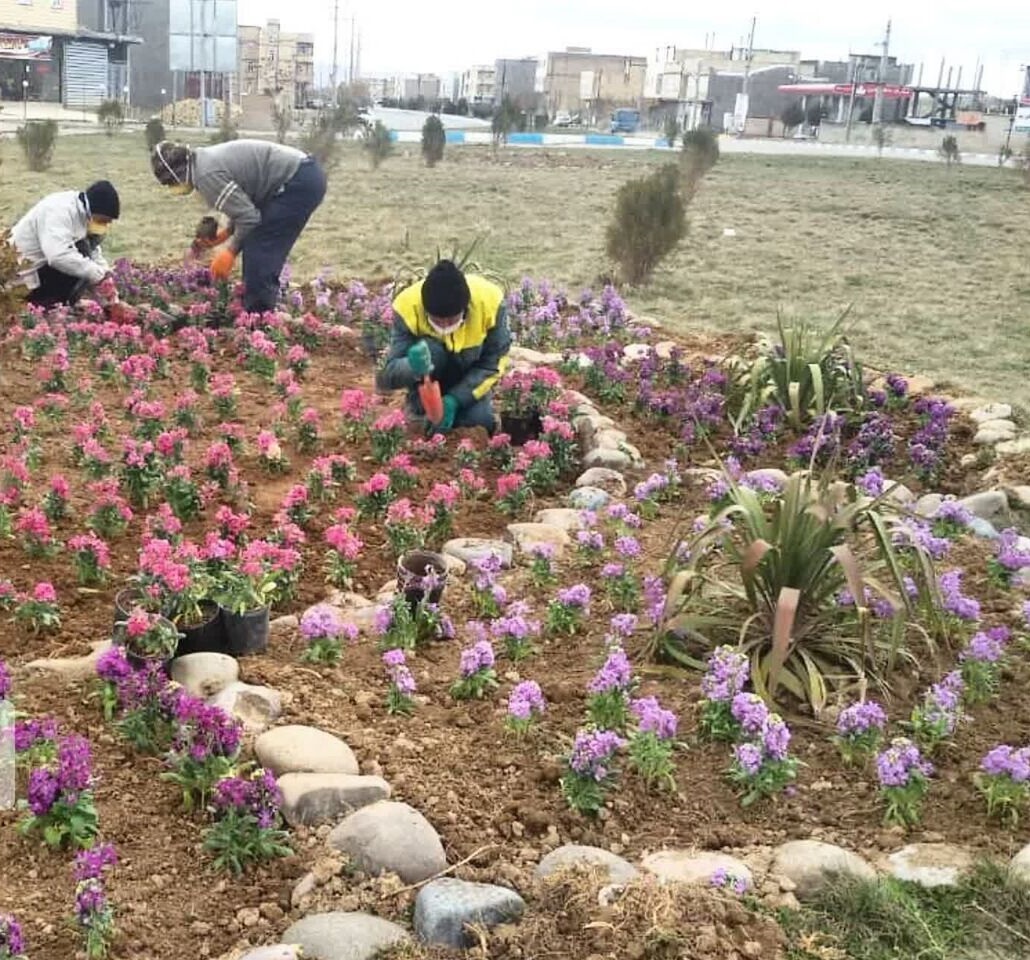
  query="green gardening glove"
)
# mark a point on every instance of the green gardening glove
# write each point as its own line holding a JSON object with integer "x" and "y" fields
{"x": 450, "y": 411}
{"x": 420, "y": 359}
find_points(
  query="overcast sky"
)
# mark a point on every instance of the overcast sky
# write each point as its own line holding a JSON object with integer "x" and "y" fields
{"x": 417, "y": 36}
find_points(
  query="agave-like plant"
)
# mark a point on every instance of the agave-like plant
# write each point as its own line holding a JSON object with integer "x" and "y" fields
{"x": 461, "y": 257}
{"x": 765, "y": 573}
{"x": 807, "y": 372}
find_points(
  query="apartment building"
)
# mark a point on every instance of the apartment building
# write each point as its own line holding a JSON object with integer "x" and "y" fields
{"x": 577, "y": 79}
{"x": 275, "y": 62}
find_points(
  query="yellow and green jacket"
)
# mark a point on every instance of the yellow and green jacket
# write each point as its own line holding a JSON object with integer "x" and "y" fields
{"x": 467, "y": 363}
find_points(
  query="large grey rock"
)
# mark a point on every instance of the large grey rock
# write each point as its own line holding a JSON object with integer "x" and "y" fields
{"x": 991, "y": 411}
{"x": 1012, "y": 448}
{"x": 534, "y": 357}
{"x": 612, "y": 438}
{"x": 282, "y": 627}
{"x": 1019, "y": 497}
{"x": 608, "y": 458}
{"x": 344, "y": 936}
{"x": 1020, "y": 865}
{"x": 635, "y": 352}
{"x": 390, "y": 837}
{"x": 589, "y": 498}
{"x": 993, "y": 432}
{"x": 257, "y": 708}
{"x": 590, "y": 425}
{"x": 298, "y": 749}
{"x": 445, "y": 906}
{"x": 471, "y": 549}
{"x": 313, "y": 798}
{"x": 528, "y": 536}
{"x": 574, "y": 855}
{"x": 930, "y": 864}
{"x": 277, "y": 951}
{"x": 983, "y": 528}
{"x": 664, "y": 349}
{"x": 990, "y": 505}
{"x": 898, "y": 493}
{"x": 69, "y": 668}
{"x": 205, "y": 674}
{"x": 603, "y": 478}
{"x": 693, "y": 866}
{"x": 812, "y": 864}
{"x": 927, "y": 505}
{"x": 561, "y": 517}
{"x": 345, "y": 600}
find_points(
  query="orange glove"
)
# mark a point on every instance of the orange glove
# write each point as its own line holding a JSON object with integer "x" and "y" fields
{"x": 222, "y": 263}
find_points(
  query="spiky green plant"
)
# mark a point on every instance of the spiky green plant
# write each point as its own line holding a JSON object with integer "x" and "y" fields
{"x": 765, "y": 574}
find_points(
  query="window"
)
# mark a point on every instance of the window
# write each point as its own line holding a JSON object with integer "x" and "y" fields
{"x": 56, "y": 4}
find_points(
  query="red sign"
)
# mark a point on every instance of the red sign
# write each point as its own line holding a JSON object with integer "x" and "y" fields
{"x": 890, "y": 91}
{"x": 24, "y": 46}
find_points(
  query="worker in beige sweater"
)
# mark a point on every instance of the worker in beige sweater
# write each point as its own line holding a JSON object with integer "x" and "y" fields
{"x": 267, "y": 191}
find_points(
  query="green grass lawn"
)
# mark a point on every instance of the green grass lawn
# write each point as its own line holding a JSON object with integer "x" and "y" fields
{"x": 933, "y": 260}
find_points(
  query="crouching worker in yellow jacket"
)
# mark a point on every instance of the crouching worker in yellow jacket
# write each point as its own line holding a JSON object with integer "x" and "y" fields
{"x": 454, "y": 329}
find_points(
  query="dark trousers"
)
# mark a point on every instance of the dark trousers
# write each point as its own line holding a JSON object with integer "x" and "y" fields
{"x": 56, "y": 287}
{"x": 282, "y": 219}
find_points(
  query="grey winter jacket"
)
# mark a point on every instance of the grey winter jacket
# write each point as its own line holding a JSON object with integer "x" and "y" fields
{"x": 239, "y": 177}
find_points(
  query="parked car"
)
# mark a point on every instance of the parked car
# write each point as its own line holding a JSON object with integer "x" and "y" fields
{"x": 563, "y": 119}
{"x": 625, "y": 120}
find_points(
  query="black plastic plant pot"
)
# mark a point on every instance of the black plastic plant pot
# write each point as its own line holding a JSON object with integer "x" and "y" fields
{"x": 246, "y": 633}
{"x": 127, "y": 598}
{"x": 412, "y": 571}
{"x": 205, "y": 637}
{"x": 136, "y": 660}
{"x": 522, "y": 429}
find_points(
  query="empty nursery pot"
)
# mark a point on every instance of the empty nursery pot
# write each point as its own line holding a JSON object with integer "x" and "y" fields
{"x": 521, "y": 429}
{"x": 412, "y": 570}
{"x": 205, "y": 637}
{"x": 246, "y": 633}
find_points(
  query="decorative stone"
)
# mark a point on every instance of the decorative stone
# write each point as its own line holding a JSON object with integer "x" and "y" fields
{"x": 303, "y": 888}
{"x": 282, "y": 627}
{"x": 70, "y": 668}
{"x": 278, "y": 951}
{"x": 455, "y": 567}
{"x": 1019, "y": 497}
{"x": 573, "y": 855}
{"x": 994, "y": 431}
{"x": 561, "y": 517}
{"x": 930, "y": 864}
{"x": 345, "y": 936}
{"x": 693, "y": 866}
{"x": 527, "y": 536}
{"x": 1020, "y": 865}
{"x": 390, "y": 837}
{"x": 346, "y": 600}
{"x": 983, "y": 528}
{"x": 927, "y": 505}
{"x": 534, "y": 357}
{"x": 898, "y": 493}
{"x": 313, "y": 798}
{"x": 635, "y": 352}
{"x": 590, "y": 426}
{"x": 298, "y": 749}
{"x": 257, "y": 708}
{"x": 779, "y": 477}
{"x": 812, "y": 864}
{"x": 589, "y": 498}
{"x": 664, "y": 349}
{"x": 604, "y": 478}
{"x": 611, "y": 438}
{"x": 990, "y": 505}
{"x": 1012, "y": 448}
{"x": 992, "y": 411}
{"x": 471, "y": 549}
{"x": 444, "y": 907}
{"x": 608, "y": 458}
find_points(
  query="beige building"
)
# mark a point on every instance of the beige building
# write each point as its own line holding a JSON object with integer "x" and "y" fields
{"x": 477, "y": 84}
{"x": 273, "y": 62}
{"x": 578, "y": 79}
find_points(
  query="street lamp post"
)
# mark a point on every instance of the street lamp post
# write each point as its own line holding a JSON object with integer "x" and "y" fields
{"x": 25, "y": 99}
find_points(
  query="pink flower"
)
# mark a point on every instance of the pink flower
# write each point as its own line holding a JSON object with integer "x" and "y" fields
{"x": 508, "y": 484}
{"x": 400, "y": 511}
{"x": 394, "y": 420}
{"x": 138, "y": 623}
{"x": 44, "y": 592}
{"x": 354, "y": 404}
{"x": 348, "y": 545}
{"x": 377, "y": 483}
{"x": 59, "y": 486}
{"x": 32, "y": 523}
{"x": 309, "y": 417}
{"x": 446, "y": 494}
{"x": 268, "y": 445}
{"x": 296, "y": 496}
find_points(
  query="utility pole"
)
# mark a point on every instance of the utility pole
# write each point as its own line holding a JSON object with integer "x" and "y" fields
{"x": 880, "y": 78}
{"x": 851, "y": 98}
{"x": 350, "y": 69}
{"x": 336, "y": 46}
{"x": 743, "y": 111}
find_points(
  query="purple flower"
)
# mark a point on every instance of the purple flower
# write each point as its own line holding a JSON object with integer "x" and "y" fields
{"x": 720, "y": 877}
{"x": 526, "y": 699}
{"x": 592, "y": 752}
{"x": 1006, "y": 761}
{"x": 616, "y": 674}
{"x": 950, "y": 586}
{"x": 480, "y": 656}
{"x": 113, "y": 666}
{"x": 27, "y": 733}
{"x": 652, "y": 718}
{"x": 901, "y": 763}
{"x": 382, "y": 621}
{"x": 90, "y": 900}
{"x": 576, "y": 596}
{"x": 5, "y": 681}
{"x": 860, "y": 718}
{"x": 871, "y": 482}
{"x": 654, "y": 598}
{"x": 623, "y": 624}
{"x": 750, "y": 711}
{"x": 73, "y": 765}
{"x": 394, "y": 658}
{"x": 258, "y": 797}
{"x": 897, "y": 385}
{"x": 748, "y": 757}
{"x": 1012, "y": 555}
{"x": 775, "y": 737}
{"x": 726, "y": 675}
{"x": 612, "y": 571}
{"x": 951, "y": 511}
{"x": 628, "y": 547}
{"x": 986, "y": 647}
{"x": 11, "y": 939}
{"x": 590, "y": 540}
{"x": 43, "y": 790}
{"x": 321, "y": 621}
{"x": 90, "y": 864}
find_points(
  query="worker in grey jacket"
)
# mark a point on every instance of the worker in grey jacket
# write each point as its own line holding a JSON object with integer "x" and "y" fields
{"x": 267, "y": 191}
{"x": 59, "y": 242}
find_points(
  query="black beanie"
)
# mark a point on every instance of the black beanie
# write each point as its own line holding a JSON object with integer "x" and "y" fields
{"x": 445, "y": 292}
{"x": 103, "y": 199}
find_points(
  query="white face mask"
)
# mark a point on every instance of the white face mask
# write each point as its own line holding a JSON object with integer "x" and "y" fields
{"x": 445, "y": 326}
